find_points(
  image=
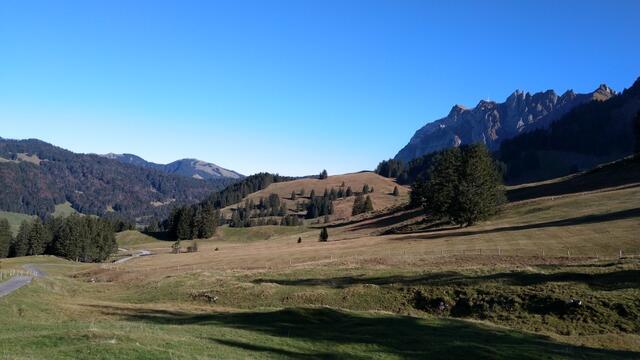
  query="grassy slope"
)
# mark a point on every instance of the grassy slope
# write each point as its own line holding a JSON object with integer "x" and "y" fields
{"x": 357, "y": 296}
{"x": 64, "y": 209}
{"x": 82, "y": 326}
{"x": 15, "y": 219}
{"x": 381, "y": 197}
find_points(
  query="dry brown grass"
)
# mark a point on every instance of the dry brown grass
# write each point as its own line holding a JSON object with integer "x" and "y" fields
{"x": 593, "y": 225}
{"x": 382, "y": 196}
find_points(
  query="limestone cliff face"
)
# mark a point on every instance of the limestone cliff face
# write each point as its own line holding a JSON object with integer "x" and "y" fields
{"x": 490, "y": 122}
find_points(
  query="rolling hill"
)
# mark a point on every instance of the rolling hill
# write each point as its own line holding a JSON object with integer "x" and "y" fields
{"x": 193, "y": 168}
{"x": 382, "y": 195}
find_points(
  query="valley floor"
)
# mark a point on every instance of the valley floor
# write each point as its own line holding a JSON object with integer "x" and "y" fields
{"x": 543, "y": 280}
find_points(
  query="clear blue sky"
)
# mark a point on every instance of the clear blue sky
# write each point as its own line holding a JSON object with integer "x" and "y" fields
{"x": 289, "y": 86}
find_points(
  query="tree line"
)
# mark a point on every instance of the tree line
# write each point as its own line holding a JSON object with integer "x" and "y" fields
{"x": 198, "y": 221}
{"x": 76, "y": 237}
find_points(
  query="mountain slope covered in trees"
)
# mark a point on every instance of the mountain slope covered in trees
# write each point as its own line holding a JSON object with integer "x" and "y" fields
{"x": 590, "y": 134}
{"x": 35, "y": 176}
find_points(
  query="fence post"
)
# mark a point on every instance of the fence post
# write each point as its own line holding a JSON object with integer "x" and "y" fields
{"x": 620, "y": 257}
{"x": 542, "y": 252}
{"x": 499, "y": 252}
{"x": 568, "y": 253}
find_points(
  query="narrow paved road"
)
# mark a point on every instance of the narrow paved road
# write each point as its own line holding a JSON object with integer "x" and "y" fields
{"x": 135, "y": 255}
{"x": 17, "y": 282}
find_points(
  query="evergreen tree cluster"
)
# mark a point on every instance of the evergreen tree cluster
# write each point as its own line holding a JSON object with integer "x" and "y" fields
{"x": 408, "y": 173}
{"x": 198, "y": 221}
{"x": 464, "y": 186}
{"x": 323, "y": 175}
{"x": 234, "y": 193}
{"x": 390, "y": 168}
{"x": 361, "y": 205}
{"x": 253, "y": 214}
{"x": 319, "y": 206}
{"x": 76, "y": 237}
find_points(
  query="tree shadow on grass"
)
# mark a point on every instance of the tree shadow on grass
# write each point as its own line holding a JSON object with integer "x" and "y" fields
{"x": 329, "y": 333}
{"x": 580, "y": 220}
{"x": 615, "y": 280}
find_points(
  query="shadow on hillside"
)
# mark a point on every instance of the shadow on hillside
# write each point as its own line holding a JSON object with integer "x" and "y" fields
{"x": 160, "y": 235}
{"x": 339, "y": 334}
{"x": 386, "y": 221}
{"x": 620, "y": 173}
{"x": 580, "y": 220}
{"x": 380, "y": 215}
{"x": 616, "y": 280}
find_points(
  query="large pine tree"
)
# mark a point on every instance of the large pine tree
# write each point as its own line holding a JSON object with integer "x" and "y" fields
{"x": 464, "y": 185}
{"x": 20, "y": 245}
{"x": 38, "y": 238}
{"x": 358, "y": 205}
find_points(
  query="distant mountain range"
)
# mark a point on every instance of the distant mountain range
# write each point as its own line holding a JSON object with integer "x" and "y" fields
{"x": 35, "y": 176}
{"x": 193, "y": 168}
{"x": 491, "y": 123}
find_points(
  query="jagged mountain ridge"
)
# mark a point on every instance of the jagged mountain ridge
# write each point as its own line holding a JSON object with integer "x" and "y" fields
{"x": 185, "y": 167}
{"x": 491, "y": 123}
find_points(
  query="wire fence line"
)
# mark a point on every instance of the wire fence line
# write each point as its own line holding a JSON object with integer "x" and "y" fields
{"x": 9, "y": 273}
{"x": 585, "y": 253}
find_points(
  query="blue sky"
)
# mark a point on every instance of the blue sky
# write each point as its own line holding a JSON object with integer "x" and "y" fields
{"x": 289, "y": 86}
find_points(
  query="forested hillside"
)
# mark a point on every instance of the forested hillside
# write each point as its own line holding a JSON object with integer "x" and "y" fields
{"x": 590, "y": 134}
{"x": 35, "y": 176}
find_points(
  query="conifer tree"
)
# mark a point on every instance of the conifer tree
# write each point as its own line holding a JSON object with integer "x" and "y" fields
{"x": 333, "y": 194}
{"x": 312, "y": 194}
{"x": 324, "y": 235}
{"x": 418, "y": 194}
{"x": 365, "y": 189}
{"x": 283, "y": 210}
{"x": 293, "y": 195}
{"x": 6, "y": 238}
{"x": 323, "y": 175}
{"x": 358, "y": 205}
{"x": 368, "y": 204}
{"x": 236, "y": 221}
{"x": 396, "y": 192}
{"x": 349, "y": 192}
{"x": 464, "y": 185}
{"x": 20, "y": 245}
{"x": 37, "y": 238}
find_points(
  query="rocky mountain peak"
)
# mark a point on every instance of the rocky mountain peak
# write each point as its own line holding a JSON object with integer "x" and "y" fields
{"x": 491, "y": 122}
{"x": 603, "y": 92}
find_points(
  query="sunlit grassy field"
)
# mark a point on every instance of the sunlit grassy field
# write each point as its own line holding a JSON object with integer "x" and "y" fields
{"x": 15, "y": 219}
{"x": 387, "y": 286}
